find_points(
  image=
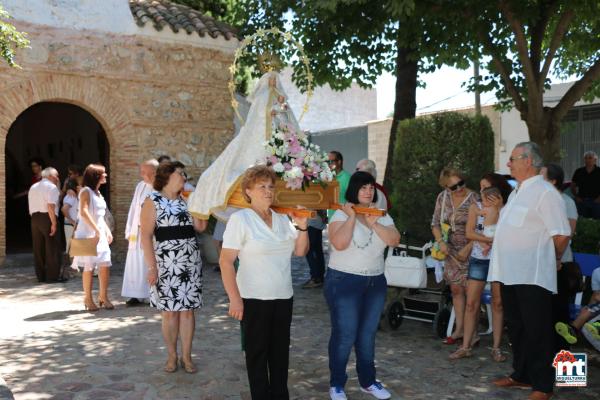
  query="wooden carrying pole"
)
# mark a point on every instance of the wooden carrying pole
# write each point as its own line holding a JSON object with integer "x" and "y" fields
{"x": 362, "y": 210}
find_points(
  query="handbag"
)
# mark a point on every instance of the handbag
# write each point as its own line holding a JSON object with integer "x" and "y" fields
{"x": 109, "y": 220}
{"x": 436, "y": 251}
{"x": 402, "y": 270}
{"x": 83, "y": 247}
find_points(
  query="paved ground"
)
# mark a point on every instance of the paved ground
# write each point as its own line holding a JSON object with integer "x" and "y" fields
{"x": 51, "y": 349}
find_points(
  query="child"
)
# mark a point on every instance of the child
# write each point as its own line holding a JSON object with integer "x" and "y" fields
{"x": 490, "y": 214}
{"x": 592, "y": 310}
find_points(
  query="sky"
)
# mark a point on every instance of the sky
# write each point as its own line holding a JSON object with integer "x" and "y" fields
{"x": 443, "y": 91}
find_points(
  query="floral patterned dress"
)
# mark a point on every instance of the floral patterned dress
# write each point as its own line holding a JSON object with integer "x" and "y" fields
{"x": 455, "y": 272}
{"x": 179, "y": 285}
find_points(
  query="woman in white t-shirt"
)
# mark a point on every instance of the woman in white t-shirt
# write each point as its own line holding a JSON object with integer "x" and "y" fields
{"x": 355, "y": 286}
{"x": 261, "y": 294}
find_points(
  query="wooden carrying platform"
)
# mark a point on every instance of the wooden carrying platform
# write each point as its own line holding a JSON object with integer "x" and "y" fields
{"x": 314, "y": 197}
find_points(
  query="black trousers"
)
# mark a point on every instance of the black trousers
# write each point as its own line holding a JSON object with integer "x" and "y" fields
{"x": 528, "y": 316}
{"x": 560, "y": 308}
{"x": 46, "y": 248}
{"x": 315, "y": 257}
{"x": 266, "y": 325}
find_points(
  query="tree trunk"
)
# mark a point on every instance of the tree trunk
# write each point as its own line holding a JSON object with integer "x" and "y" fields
{"x": 405, "y": 105}
{"x": 545, "y": 131}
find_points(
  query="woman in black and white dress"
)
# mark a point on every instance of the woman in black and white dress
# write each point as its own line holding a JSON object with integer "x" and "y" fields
{"x": 174, "y": 266}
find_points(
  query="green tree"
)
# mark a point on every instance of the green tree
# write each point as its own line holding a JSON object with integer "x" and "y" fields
{"x": 519, "y": 42}
{"x": 522, "y": 43}
{"x": 10, "y": 39}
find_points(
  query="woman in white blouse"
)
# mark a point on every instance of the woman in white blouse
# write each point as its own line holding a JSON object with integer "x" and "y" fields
{"x": 355, "y": 286}
{"x": 261, "y": 294}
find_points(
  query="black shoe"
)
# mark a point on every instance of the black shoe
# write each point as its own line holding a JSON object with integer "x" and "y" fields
{"x": 59, "y": 280}
{"x": 132, "y": 302}
{"x": 312, "y": 284}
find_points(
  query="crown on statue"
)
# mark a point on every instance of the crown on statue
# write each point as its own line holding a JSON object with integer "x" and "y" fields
{"x": 267, "y": 62}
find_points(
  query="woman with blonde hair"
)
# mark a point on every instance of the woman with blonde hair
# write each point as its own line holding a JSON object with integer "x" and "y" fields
{"x": 452, "y": 210}
{"x": 261, "y": 294}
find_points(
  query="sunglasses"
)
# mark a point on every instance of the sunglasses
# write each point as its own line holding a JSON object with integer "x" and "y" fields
{"x": 459, "y": 184}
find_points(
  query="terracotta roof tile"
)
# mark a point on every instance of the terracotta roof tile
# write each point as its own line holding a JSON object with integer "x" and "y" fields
{"x": 178, "y": 17}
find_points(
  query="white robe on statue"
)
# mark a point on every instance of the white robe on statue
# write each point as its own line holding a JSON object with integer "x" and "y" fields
{"x": 217, "y": 182}
{"x": 135, "y": 277}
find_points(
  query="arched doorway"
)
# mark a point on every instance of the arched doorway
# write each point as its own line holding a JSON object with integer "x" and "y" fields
{"x": 60, "y": 134}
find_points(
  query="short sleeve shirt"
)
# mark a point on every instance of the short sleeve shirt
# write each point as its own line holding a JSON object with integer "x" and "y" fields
{"x": 523, "y": 250}
{"x": 41, "y": 194}
{"x": 343, "y": 178}
{"x": 571, "y": 210}
{"x": 264, "y": 253}
{"x": 364, "y": 255}
{"x": 73, "y": 202}
{"x": 588, "y": 183}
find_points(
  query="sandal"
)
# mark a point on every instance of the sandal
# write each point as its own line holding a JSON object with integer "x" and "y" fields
{"x": 451, "y": 340}
{"x": 497, "y": 355}
{"x": 170, "y": 368}
{"x": 462, "y": 352}
{"x": 190, "y": 368}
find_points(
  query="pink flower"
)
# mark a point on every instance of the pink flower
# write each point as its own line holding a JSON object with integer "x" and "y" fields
{"x": 273, "y": 160}
{"x": 287, "y": 166}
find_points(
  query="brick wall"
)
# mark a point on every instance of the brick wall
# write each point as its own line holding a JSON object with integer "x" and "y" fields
{"x": 150, "y": 97}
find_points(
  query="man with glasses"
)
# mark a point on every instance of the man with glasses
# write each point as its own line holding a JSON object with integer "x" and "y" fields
{"x": 531, "y": 236}
{"x": 585, "y": 185}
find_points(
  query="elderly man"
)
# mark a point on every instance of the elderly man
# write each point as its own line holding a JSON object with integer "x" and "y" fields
{"x": 531, "y": 236}
{"x": 383, "y": 201}
{"x": 135, "y": 277}
{"x": 43, "y": 199}
{"x": 585, "y": 185}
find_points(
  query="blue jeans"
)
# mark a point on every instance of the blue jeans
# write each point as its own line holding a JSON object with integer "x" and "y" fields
{"x": 355, "y": 305}
{"x": 478, "y": 269}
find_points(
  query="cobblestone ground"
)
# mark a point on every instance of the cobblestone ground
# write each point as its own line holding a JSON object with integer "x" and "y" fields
{"x": 51, "y": 349}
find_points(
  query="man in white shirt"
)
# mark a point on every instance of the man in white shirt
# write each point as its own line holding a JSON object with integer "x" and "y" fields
{"x": 43, "y": 207}
{"x": 135, "y": 277}
{"x": 531, "y": 237}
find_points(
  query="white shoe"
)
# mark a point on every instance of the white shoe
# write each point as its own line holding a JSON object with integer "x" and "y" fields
{"x": 377, "y": 390}
{"x": 337, "y": 393}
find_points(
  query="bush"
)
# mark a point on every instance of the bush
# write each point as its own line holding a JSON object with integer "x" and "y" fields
{"x": 587, "y": 236}
{"x": 425, "y": 146}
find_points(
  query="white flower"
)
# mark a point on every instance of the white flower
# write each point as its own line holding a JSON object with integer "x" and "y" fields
{"x": 296, "y": 172}
{"x": 278, "y": 167}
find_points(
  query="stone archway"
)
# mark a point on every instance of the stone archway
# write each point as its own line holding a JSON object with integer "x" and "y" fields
{"x": 85, "y": 93}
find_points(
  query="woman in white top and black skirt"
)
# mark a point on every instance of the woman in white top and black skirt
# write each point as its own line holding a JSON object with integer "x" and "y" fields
{"x": 261, "y": 294}
{"x": 355, "y": 286}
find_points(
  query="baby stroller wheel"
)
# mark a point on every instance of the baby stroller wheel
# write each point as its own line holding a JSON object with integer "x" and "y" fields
{"x": 440, "y": 322}
{"x": 394, "y": 315}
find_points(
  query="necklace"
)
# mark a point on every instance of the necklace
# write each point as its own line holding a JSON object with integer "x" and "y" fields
{"x": 366, "y": 244}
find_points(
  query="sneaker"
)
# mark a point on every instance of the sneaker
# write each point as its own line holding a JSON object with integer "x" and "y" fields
{"x": 592, "y": 328}
{"x": 566, "y": 331}
{"x": 377, "y": 390}
{"x": 312, "y": 284}
{"x": 337, "y": 393}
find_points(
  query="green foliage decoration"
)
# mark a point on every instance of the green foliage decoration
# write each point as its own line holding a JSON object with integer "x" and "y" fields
{"x": 587, "y": 236}
{"x": 424, "y": 147}
{"x": 10, "y": 39}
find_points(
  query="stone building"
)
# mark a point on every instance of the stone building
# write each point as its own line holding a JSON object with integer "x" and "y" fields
{"x": 111, "y": 81}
